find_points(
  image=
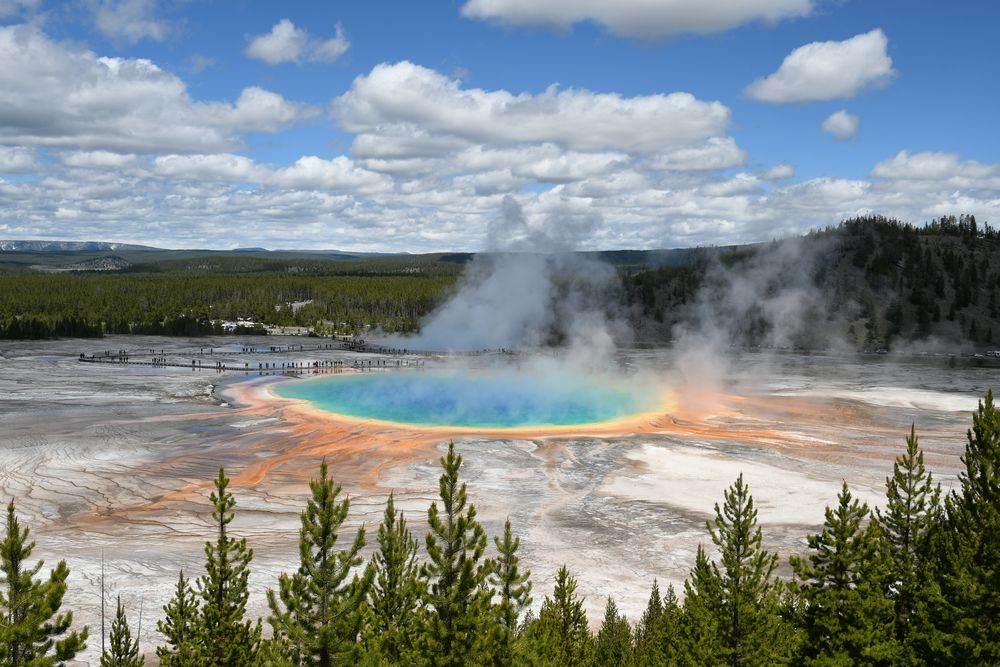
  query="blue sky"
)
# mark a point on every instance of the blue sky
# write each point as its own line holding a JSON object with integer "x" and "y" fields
{"x": 404, "y": 125}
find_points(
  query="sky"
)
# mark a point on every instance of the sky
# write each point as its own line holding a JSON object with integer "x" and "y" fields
{"x": 402, "y": 126}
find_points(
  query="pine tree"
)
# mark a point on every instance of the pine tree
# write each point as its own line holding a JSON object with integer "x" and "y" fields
{"x": 750, "y": 627}
{"x": 651, "y": 632}
{"x": 396, "y": 592}
{"x": 848, "y": 615}
{"x": 911, "y": 516}
{"x": 563, "y": 637}
{"x": 32, "y": 630}
{"x": 228, "y": 639}
{"x": 456, "y": 628}
{"x": 123, "y": 650}
{"x": 699, "y": 639}
{"x": 513, "y": 588}
{"x": 613, "y": 647}
{"x": 180, "y": 627}
{"x": 969, "y": 547}
{"x": 318, "y": 611}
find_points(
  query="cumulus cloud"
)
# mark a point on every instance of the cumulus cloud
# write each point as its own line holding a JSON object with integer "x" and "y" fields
{"x": 639, "y": 18}
{"x": 827, "y": 71}
{"x": 129, "y": 20}
{"x": 841, "y": 124}
{"x": 61, "y": 96}
{"x": 938, "y": 169}
{"x": 288, "y": 43}
{"x": 127, "y": 154}
{"x": 306, "y": 173}
{"x": 405, "y": 94}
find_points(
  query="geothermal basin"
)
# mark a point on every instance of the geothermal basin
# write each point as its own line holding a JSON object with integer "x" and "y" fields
{"x": 477, "y": 400}
{"x": 610, "y": 475}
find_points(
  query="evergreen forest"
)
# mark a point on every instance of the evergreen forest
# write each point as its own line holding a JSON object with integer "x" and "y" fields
{"x": 914, "y": 582}
{"x": 869, "y": 283}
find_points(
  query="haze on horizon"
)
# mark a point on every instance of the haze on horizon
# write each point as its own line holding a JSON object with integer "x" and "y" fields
{"x": 403, "y": 126}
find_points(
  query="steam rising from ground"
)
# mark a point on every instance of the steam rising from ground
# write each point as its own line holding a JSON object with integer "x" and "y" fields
{"x": 768, "y": 299}
{"x": 530, "y": 290}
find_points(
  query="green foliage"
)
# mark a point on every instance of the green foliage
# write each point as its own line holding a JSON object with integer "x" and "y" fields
{"x": 911, "y": 516}
{"x": 613, "y": 647}
{"x": 848, "y": 616}
{"x": 513, "y": 587}
{"x": 33, "y": 632}
{"x": 750, "y": 627}
{"x": 969, "y": 549}
{"x": 318, "y": 612}
{"x": 456, "y": 626}
{"x": 699, "y": 638}
{"x": 653, "y": 644}
{"x": 561, "y": 637}
{"x": 228, "y": 639}
{"x": 395, "y": 594}
{"x": 180, "y": 627}
{"x": 123, "y": 650}
{"x": 45, "y": 305}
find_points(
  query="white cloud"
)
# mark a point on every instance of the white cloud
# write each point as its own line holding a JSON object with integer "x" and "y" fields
{"x": 129, "y": 20}
{"x": 415, "y": 97}
{"x": 307, "y": 173}
{"x": 841, "y": 124}
{"x": 938, "y": 169}
{"x": 96, "y": 159}
{"x": 60, "y": 96}
{"x": 639, "y": 18}
{"x": 16, "y": 159}
{"x": 329, "y": 50}
{"x": 827, "y": 71}
{"x": 715, "y": 153}
{"x": 261, "y": 110}
{"x": 287, "y": 43}
{"x": 779, "y": 172}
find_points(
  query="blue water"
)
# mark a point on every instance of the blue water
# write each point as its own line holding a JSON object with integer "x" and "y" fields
{"x": 484, "y": 400}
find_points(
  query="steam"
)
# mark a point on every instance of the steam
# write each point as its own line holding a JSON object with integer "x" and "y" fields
{"x": 529, "y": 291}
{"x": 768, "y": 299}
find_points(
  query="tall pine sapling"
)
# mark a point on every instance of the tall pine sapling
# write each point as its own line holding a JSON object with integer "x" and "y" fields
{"x": 613, "y": 646}
{"x": 318, "y": 610}
{"x": 228, "y": 638}
{"x": 513, "y": 589}
{"x": 843, "y": 583}
{"x": 396, "y": 591}
{"x": 180, "y": 626}
{"x": 912, "y": 513}
{"x": 455, "y": 632}
{"x": 748, "y": 619}
{"x": 123, "y": 651}
{"x": 32, "y": 630}
{"x": 970, "y": 547}
{"x": 562, "y": 636}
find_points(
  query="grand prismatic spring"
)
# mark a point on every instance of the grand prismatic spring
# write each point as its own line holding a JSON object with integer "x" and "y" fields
{"x": 612, "y": 475}
{"x": 485, "y": 399}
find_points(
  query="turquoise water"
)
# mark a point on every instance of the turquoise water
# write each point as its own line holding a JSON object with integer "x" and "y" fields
{"x": 484, "y": 400}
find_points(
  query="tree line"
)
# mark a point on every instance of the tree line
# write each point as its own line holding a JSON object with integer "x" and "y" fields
{"x": 915, "y": 583}
{"x": 879, "y": 281}
{"x": 88, "y": 305}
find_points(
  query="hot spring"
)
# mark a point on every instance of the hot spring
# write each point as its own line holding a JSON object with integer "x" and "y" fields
{"x": 476, "y": 399}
